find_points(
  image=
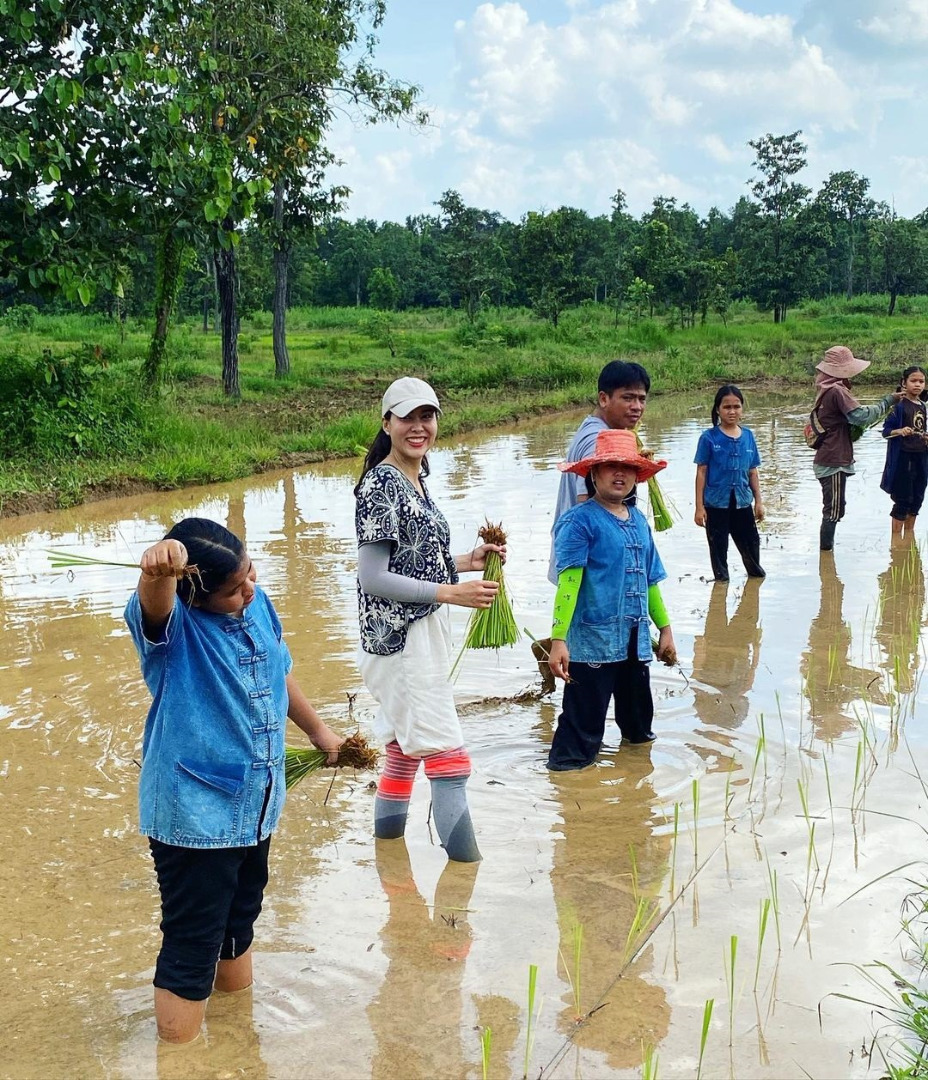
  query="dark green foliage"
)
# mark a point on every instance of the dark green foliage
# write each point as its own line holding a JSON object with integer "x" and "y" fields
{"x": 56, "y": 407}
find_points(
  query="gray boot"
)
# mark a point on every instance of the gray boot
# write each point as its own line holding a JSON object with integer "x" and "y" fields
{"x": 827, "y": 535}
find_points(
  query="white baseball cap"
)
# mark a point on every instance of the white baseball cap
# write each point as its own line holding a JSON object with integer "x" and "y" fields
{"x": 404, "y": 395}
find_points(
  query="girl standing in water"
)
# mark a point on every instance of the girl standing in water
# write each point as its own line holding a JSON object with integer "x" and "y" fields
{"x": 406, "y": 576}
{"x": 727, "y": 484}
{"x": 212, "y": 783}
{"x": 905, "y": 476}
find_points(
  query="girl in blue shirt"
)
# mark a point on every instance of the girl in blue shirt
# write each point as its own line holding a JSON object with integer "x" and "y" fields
{"x": 212, "y": 782}
{"x": 608, "y": 570}
{"x": 727, "y": 484}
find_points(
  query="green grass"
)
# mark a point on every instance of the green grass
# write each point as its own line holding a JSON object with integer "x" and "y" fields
{"x": 504, "y": 367}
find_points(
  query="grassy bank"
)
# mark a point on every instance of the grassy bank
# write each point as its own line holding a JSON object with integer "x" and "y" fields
{"x": 77, "y": 426}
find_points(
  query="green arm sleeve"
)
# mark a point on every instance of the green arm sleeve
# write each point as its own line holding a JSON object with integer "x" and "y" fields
{"x": 565, "y": 602}
{"x": 656, "y": 608}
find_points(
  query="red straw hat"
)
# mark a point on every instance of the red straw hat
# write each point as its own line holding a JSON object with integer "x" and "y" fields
{"x": 614, "y": 447}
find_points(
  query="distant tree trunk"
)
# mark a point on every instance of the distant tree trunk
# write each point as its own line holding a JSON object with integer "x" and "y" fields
{"x": 281, "y": 270}
{"x": 893, "y": 293}
{"x": 227, "y": 286}
{"x": 850, "y": 259}
{"x": 169, "y": 255}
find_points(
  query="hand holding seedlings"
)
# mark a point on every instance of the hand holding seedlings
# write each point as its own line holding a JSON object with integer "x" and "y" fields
{"x": 167, "y": 558}
{"x": 472, "y": 594}
{"x": 478, "y": 557}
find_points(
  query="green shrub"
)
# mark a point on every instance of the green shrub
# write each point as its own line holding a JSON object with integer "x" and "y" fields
{"x": 20, "y": 317}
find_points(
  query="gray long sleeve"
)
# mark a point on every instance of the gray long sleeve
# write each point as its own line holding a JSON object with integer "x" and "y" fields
{"x": 377, "y": 579}
{"x": 865, "y": 415}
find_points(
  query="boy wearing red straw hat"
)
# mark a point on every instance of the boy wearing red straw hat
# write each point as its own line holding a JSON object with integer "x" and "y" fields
{"x": 608, "y": 569}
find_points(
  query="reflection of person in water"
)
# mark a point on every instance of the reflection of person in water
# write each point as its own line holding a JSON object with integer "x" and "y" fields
{"x": 725, "y": 657}
{"x": 832, "y": 681}
{"x": 605, "y": 842}
{"x": 902, "y": 606}
{"x": 426, "y": 948}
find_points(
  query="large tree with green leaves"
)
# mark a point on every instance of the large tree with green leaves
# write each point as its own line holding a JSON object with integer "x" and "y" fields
{"x": 551, "y": 260}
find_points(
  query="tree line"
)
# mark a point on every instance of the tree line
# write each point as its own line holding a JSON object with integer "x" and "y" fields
{"x": 163, "y": 155}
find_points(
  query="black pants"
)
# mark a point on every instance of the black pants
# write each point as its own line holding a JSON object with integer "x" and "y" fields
{"x": 909, "y": 483}
{"x": 582, "y": 724}
{"x": 210, "y": 899}
{"x": 833, "y": 488}
{"x": 742, "y": 528}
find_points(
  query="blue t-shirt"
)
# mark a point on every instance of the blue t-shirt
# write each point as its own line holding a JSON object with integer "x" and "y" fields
{"x": 620, "y": 563}
{"x": 213, "y": 747}
{"x": 390, "y": 508}
{"x": 729, "y": 461}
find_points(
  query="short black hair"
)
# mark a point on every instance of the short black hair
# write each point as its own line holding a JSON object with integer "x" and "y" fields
{"x": 618, "y": 374}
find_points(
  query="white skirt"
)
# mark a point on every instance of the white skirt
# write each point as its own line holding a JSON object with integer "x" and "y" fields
{"x": 413, "y": 689}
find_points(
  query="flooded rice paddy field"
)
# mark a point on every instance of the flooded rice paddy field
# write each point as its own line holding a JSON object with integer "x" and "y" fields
{"x": 787, "y": 770}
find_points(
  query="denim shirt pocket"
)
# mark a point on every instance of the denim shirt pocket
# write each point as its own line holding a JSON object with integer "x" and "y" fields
{"x": 207, "y": 803}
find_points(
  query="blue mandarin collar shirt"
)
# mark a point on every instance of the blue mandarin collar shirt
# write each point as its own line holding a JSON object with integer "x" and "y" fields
{"x": 619, "y": 562}
{"x": 213, "y": 747}
{"x": 728, "y": 463}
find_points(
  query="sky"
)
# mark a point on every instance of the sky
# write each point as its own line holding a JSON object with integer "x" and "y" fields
{"x": 536, "y": 104}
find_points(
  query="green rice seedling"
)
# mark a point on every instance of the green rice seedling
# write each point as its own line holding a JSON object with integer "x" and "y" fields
{"x": 636, "y": 893}
{"x": 574, "y": 980}
{"x": 763, "y": 916}
{"x": 762, "y": 731}
{"x": 649, "y": 1062}
{"x": 704, "y": 1034}
{"x": 486, "y": 1038}
{"x": 532, "y": 1017}
{"x": 645, "y": 912}
{"x": 730, "y": 963}
{"x": 729, "y": 794}
{"x": 354, "y": 753}
{"x": 696, "y": 821}
{"x": 673, "y": 851}
{"x": 757, "y": 753}
{"x": 495, "y": 626}
{"x": 59, "y": 560}
{"x": 774, "y": 901}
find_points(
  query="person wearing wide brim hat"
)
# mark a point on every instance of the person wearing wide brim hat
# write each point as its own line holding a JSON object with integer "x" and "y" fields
{"x": 838, "y": 411}
{"x": 608, "y": 571}
{"x": 616, "y": 448}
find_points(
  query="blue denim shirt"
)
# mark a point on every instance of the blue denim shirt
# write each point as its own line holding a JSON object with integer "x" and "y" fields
{"x": 214, "y": 738}
{"x": 619, "y": 562}
{"x": 729, "y": 461}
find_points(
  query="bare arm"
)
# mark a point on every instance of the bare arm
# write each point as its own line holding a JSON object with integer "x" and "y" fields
{"x": 161, "y": 564}
{"x": 754, "y": 481}
{"x": 302, "y": 713}
{"x": 700, "y": 516}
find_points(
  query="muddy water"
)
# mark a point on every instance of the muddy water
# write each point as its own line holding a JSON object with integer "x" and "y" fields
{"x": 624, "y": 884}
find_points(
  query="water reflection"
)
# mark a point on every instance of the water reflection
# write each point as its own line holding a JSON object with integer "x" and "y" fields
{"x": 832, "y": 682}
{"x": 606, "y": 858}
{"x": 902, "y": 607}
{"x": 427, "y": 947}
{"x": 726, "y": 655}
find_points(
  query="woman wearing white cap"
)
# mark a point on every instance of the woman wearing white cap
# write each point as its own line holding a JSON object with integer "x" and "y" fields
{"x": 838, "y": 411}
{"x": 406, "y": 574}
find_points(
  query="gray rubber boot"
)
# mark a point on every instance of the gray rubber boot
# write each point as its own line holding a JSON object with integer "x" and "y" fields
{"x": 827, "y": 535}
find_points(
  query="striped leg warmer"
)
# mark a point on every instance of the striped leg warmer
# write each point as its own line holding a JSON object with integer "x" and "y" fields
{"x": 393, "y": 791}
{"x": 448, "y": 773}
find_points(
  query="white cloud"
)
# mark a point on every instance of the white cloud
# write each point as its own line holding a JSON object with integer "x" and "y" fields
{"x": 658, "y": 97}
{"x": 905, "y": 21}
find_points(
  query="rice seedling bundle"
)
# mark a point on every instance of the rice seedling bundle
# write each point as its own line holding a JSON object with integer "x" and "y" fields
{"x": 663, "y": 519}
{"x": 495, "y": 626}
{"x": 354, "y": 753}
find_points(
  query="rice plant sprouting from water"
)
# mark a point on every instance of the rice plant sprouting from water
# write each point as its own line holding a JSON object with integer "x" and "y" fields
{"x": 762, "y": 920}
{"x": 704, "y": 1034}
{"x": 573, "y": 980}
{"x": 731, "y": 958}
{"x": 486, "y": 1040}
{"x": 532, "y": 1018}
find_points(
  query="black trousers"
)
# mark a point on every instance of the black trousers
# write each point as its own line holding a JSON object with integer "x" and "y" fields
{"x": 909, "y": 485}
{"x": 582, "y": 724}
{"x": 742, "y": 528}
{"x": 833, "y": 501}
